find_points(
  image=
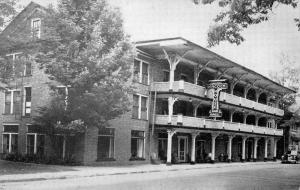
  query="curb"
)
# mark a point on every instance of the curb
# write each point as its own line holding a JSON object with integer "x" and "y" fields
{"x": 130, "y": 172}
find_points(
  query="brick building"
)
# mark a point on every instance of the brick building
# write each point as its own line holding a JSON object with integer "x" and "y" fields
{"x": 169, "y": 120}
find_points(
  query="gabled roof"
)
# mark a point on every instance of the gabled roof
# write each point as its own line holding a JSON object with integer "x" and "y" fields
{"x": 25, "y": 12}
{"x": 194, "y": 54}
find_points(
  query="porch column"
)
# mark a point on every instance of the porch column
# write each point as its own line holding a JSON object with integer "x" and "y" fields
{"x": 266, "y": 148}
{"x": 232, "y": 85}
{"x": 231, "y": 115}
{"x": 169, "y": 148}
{"x": 255, "y": 148}
{"x": 246, "y": 89}
{"x": 258, "y": 93}
{"x": 256, "y": 120}
{"x": 173, "y": 62}
{"x": 193, "y": 148}
{"x": 244, "y": 138}
{"x": 229, "y": 147}
{"x": 196, "y": 74}
{"x": 213, "y": 146}
{"x": 171, "y": 101}
{"x": 196, "y": 105}
{"x": 245, "y": 115}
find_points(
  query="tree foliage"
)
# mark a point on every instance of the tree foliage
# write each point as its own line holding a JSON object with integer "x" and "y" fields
{"x": 238, "y": 15}
{"x": 87, "y": 51}
{"x": 289, "y": 75}
{"x": 7, "y": 11}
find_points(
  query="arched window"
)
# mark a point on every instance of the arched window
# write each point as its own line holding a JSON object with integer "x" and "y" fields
{"x": 262, "y": 122}
{"x": 238, "y": 117}
{"x": 262, "y": 98}
{"x": 251, "y": 94}
{"x": 238, "y": 90}
{"x": 250, "y": 120}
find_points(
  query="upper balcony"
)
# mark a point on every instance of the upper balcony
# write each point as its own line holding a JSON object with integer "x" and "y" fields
{"x": 200, "y": 91}
{"x": 209, "y": 124}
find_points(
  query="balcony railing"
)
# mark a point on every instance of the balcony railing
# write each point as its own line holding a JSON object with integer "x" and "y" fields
{"x": 196, "y": 90}
{"x": 236, "y": 100}
{"x": 202, "y": 123}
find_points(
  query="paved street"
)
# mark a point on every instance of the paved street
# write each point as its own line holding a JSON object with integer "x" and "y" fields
{"x": 277, "y": 176}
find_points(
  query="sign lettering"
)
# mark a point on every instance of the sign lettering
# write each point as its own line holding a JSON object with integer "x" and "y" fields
{"x": 216, "y": 86}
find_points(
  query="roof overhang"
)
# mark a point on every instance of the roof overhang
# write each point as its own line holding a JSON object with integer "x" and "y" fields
{"x": 195, "y": 55}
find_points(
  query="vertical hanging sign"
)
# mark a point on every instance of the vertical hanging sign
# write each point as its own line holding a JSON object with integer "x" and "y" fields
{"x": 216, "y": 86}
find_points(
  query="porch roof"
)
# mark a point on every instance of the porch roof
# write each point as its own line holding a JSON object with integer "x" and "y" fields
{"x": 191, "y": 53}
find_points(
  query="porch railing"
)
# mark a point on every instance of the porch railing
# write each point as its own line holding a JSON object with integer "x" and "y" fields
{"x": 204, "y": 123}
{"x": 200, "y": 91}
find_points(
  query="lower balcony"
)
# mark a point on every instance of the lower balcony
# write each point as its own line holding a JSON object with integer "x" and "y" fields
{"x": 200, "y": 91}
{"x": 203, "y": 123}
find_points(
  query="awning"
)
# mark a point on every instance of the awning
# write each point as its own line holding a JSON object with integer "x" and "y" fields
{"x": 196, "y": 55}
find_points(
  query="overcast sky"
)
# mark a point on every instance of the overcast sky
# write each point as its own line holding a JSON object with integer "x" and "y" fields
{"x": 153, "y": 19}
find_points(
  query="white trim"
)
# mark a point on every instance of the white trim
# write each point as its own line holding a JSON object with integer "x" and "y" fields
{"x": 13, "y": 54}
{"x": 13, "y": 57}
{"x": 140, "y": 105}
{"x": 9, "y": 124}
{"x": 9, "y": 140}
{"x": 39, "y": 27}
{"x": 185, "y": 138}
{"x": 24, "y": 100}
{"x": 141, "y": 61}
{"x": 11, "y": 99}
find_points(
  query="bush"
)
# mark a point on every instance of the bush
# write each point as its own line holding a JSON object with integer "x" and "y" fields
{"x": 39, "y": 159}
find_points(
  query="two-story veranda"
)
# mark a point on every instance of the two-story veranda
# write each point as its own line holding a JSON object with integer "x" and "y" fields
{"x": 179, "y": 120}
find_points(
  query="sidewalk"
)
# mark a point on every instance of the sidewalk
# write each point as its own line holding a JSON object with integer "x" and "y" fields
{"x": 85, "y": 171}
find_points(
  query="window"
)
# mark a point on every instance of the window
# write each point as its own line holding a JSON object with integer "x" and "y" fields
{"x": 137, "y": 144}
{"x": 16, "y": 102}
{"x": 20, "y": 64}
{"x": 30, "y": 143}
{"x": 269, "y": 124}
{"x": 36, "y": 28}
{"x": 27, "y": 101}
{"x": 63, "y": 93}
{"x": 144, "y": 110}
{"x": 10, "y": 139}
{"x": 166, "y": 76}
{"x": 145, "y": 73}
{"x": 35, "y": 143}
{"x": 106, "y": 143}
{"x": 27, "y": 70}
{"x": 13, "y": 58}
{"x": 8, "y": 102}
{"x": 12, "y": 102}
{"x": 293, "y": 127}
{"x": 135, "y": 107}
{"x": 140, "y": 107}
{"x": 141, "y": 71}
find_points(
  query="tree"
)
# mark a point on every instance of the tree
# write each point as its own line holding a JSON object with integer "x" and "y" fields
{"x": 87, "y": 51}
{"x": 238, "y": 15}
{"x": 289, "y": 76}
{"x": 7, "y": 11}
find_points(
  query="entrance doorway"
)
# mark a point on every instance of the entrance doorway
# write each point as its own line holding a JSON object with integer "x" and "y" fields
{"x": 182, "y": 148}
{"x": 162, "y": 148}
{"x": 200, "y": 151}
{"x": 250, "y": 149}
